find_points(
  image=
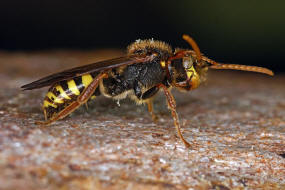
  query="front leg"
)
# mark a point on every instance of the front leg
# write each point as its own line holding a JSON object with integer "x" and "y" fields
{"x": 172, "y": 106}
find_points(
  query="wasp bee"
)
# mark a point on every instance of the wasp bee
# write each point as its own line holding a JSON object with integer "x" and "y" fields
{"x": 148, "y": 66}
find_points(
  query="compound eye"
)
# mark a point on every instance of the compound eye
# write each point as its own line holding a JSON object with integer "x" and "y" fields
{"x": 187, "y": 62}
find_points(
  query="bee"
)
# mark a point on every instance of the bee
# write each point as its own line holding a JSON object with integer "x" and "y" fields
{"x": 147, "y": 67}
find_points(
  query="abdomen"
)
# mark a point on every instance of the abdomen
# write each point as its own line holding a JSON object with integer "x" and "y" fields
{"x": 65, "y": 92}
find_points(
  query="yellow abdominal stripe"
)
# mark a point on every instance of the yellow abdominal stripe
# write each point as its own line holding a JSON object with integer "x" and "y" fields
{"x": 62, "y": 92}
{"x": 47, "y": 104}
{"x": 54, "y": 98}
{"x": 86, "y": 80}
{"x": 72, "y": 87}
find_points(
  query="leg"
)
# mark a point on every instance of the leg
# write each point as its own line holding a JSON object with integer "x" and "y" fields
{"x": 172, "y": 106}
{"x": 86, "y": 106}
{"x": 82, "y": 99}
{"x": 45, "y": 114}
{"x": 150, "y": 110}
{"x": 147, "y": 96}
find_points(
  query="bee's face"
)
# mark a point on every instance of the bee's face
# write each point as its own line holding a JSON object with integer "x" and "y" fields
{"x": 184, "y": 73}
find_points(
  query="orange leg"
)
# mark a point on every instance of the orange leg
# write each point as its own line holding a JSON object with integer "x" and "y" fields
{"x": 86, "y": 106}
{"x": 172, "y": 106}
{"x": 82, "y": 99}
{"x": 150, "y": 110}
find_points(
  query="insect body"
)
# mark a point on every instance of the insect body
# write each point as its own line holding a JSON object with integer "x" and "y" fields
{"x": 148, "y": 67}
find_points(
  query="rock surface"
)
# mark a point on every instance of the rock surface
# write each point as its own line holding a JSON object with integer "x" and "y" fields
{"x": 236, "y": 123}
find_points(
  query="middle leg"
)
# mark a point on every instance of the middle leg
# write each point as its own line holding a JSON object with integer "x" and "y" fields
{"x": 148, "y": 97}
{"x": 150, "y": 110}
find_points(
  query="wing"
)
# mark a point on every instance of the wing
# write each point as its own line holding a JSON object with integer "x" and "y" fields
{"x": 94, "y": 67}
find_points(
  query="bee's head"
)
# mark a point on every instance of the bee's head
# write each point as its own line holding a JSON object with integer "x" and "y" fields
{"x": 187, "y": 68}
{"x": 185, "y": 71}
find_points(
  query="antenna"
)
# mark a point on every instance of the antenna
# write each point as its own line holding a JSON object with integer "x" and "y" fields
{"x": 215, "y": 65}
{"x": 194, "y": 46}
{"x": 242, "y": 68}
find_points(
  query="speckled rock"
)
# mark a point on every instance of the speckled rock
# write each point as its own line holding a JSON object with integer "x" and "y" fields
{"x": 236, "y": 123}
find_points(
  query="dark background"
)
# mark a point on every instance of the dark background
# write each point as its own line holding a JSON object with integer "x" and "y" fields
{"x": 240, "y": 32}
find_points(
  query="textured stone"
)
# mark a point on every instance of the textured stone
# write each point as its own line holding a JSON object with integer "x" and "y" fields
{"x": 236, "y": 123}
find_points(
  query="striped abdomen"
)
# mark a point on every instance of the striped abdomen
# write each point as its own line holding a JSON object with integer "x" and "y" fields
{"x": 63, "y": 93}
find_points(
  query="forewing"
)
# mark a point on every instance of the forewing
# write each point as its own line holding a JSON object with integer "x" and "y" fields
{"x": 94, "y": 67}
